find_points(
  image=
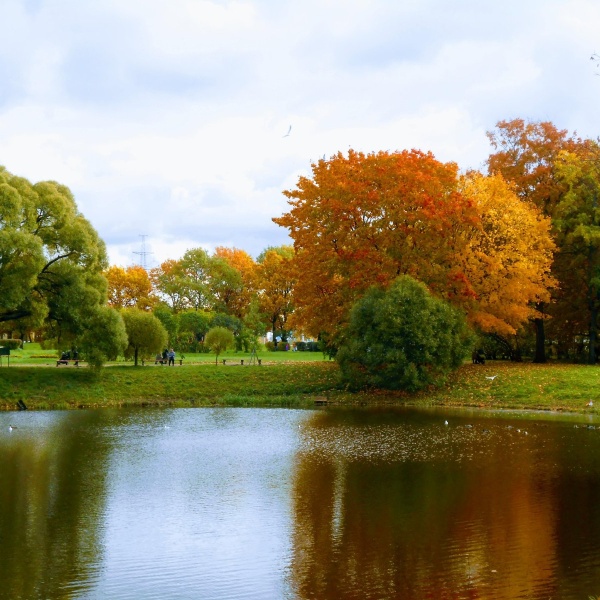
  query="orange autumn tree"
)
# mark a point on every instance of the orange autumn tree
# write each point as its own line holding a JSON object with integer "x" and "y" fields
{"x": 363, "y": 220}
{"x": 525, "y": 154}
{"x": 508, "y": 259}
{"x": 130, "y": 287}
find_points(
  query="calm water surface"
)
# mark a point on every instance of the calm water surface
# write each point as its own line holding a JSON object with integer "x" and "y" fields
{"x": 294, "y": 504}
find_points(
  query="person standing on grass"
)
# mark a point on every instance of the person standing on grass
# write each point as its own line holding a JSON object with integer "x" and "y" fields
{"x": 171, "y": 357}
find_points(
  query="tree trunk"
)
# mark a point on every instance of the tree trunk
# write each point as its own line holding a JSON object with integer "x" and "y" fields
{"x": 135, "y": 357}
{"x": 540, "y": 341}
{"x": 593, "y": 333}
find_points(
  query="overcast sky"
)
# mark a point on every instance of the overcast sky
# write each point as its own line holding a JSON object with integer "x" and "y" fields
{"x": 167, "y": 118}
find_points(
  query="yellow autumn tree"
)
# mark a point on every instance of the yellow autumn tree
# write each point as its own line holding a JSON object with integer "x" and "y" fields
{"x": 508, "y": 256}
{"x": 275, "y": 281}
{"x": 241, "y": 294}
{"x": 130, "y": 287}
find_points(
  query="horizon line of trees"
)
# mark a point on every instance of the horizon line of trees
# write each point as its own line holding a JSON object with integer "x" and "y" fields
{"x": 516, "y": 249}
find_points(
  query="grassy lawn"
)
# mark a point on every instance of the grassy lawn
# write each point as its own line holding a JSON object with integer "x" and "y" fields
{"x": 32, "y": 354}
{"x": 283, "y": 379}
{"x": 190, "y": 385}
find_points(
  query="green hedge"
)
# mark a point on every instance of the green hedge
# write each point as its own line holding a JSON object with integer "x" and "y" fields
{"x": 13, "y": 344}
{"x": 308, "y": 346}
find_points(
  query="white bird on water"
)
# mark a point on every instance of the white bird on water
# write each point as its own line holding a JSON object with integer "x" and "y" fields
{"x": 11, "y": 427}
{"x": 491, "y": 377}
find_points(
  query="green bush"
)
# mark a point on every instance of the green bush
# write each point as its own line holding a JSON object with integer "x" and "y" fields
{"x": 13, "y": 344}
{"x": 218, "y": 339}
{"x": 269, "y": 346}
{"x": 402, "y": 338}
{"x": 49, "y": 344}
{"x": 308, "y": 346}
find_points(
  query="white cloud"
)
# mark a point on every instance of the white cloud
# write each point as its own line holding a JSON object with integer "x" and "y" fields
{"x": 167, "y": 119}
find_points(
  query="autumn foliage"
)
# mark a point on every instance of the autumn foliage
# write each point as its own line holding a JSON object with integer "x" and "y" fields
{"x": 363, "y": 220}
{"x": 130, "y": 287}
{"x": 513, "y": 249}
{"x": 508, "y": 258}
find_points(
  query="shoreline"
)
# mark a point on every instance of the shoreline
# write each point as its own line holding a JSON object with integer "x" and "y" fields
{"x": 550, "y": 388}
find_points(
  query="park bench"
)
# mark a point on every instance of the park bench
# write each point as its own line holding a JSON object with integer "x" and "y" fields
{"x": 161, "y": 361}
{"x": 241, "y": 362}
{"x": 66, "y": 361}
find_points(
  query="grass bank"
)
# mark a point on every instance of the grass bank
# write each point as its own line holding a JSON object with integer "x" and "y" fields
{"x": 33, "y": 354}
{"x": 523, "y": 386}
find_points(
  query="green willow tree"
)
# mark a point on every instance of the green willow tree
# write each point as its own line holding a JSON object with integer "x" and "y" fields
{"x": 51, "y": 260}
{"x": 145, "y": 333}
{"x": 218, "y": 339}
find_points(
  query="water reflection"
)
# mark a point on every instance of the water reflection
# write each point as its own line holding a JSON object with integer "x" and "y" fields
{"x": 295, "y": 505}
{"x": 52, "y": 482}
{"x": 393, "y": 505}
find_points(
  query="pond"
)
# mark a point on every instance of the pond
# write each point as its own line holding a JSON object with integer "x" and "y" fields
{"x": 297, "y": 504}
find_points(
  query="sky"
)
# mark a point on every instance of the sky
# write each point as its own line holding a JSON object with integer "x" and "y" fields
{"x": 167, "y": 119}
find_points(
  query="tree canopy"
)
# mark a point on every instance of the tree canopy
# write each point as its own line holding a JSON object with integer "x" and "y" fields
{"x": 275, "y": 280}
{"x": 402, "y": 338}
{"x": 51, "y": 262}
{"x": 508, "y": 256}
{"x": 145, "y": 333}
{"x": 218, "y": 339}
{"x": 130, "y": 287}
{"x": 51, "y": 258}
{"x": 364, "y": 220}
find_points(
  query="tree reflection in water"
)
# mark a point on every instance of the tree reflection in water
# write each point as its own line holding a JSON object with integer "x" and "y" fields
{"x": 384, "y": 508}
{"x": 51, "y": 505}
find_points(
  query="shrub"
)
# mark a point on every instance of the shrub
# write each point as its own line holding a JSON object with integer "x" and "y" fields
{"x": 402, "y": 338}
{"x": 13, "y": 344}
{"x": 146, "y": 334}
{"x": 310, "y": 347}
{"x": 218, "y": 339}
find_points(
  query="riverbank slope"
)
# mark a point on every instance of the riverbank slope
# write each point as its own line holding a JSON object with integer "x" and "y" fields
{"x": 494, "y": 385}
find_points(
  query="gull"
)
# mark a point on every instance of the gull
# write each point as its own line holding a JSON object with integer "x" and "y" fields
{"x": 11, "y": 427}
{"x": 491, "y": 377}
{"x": 288, "y": 132}
{"x": 445, "y": 422}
